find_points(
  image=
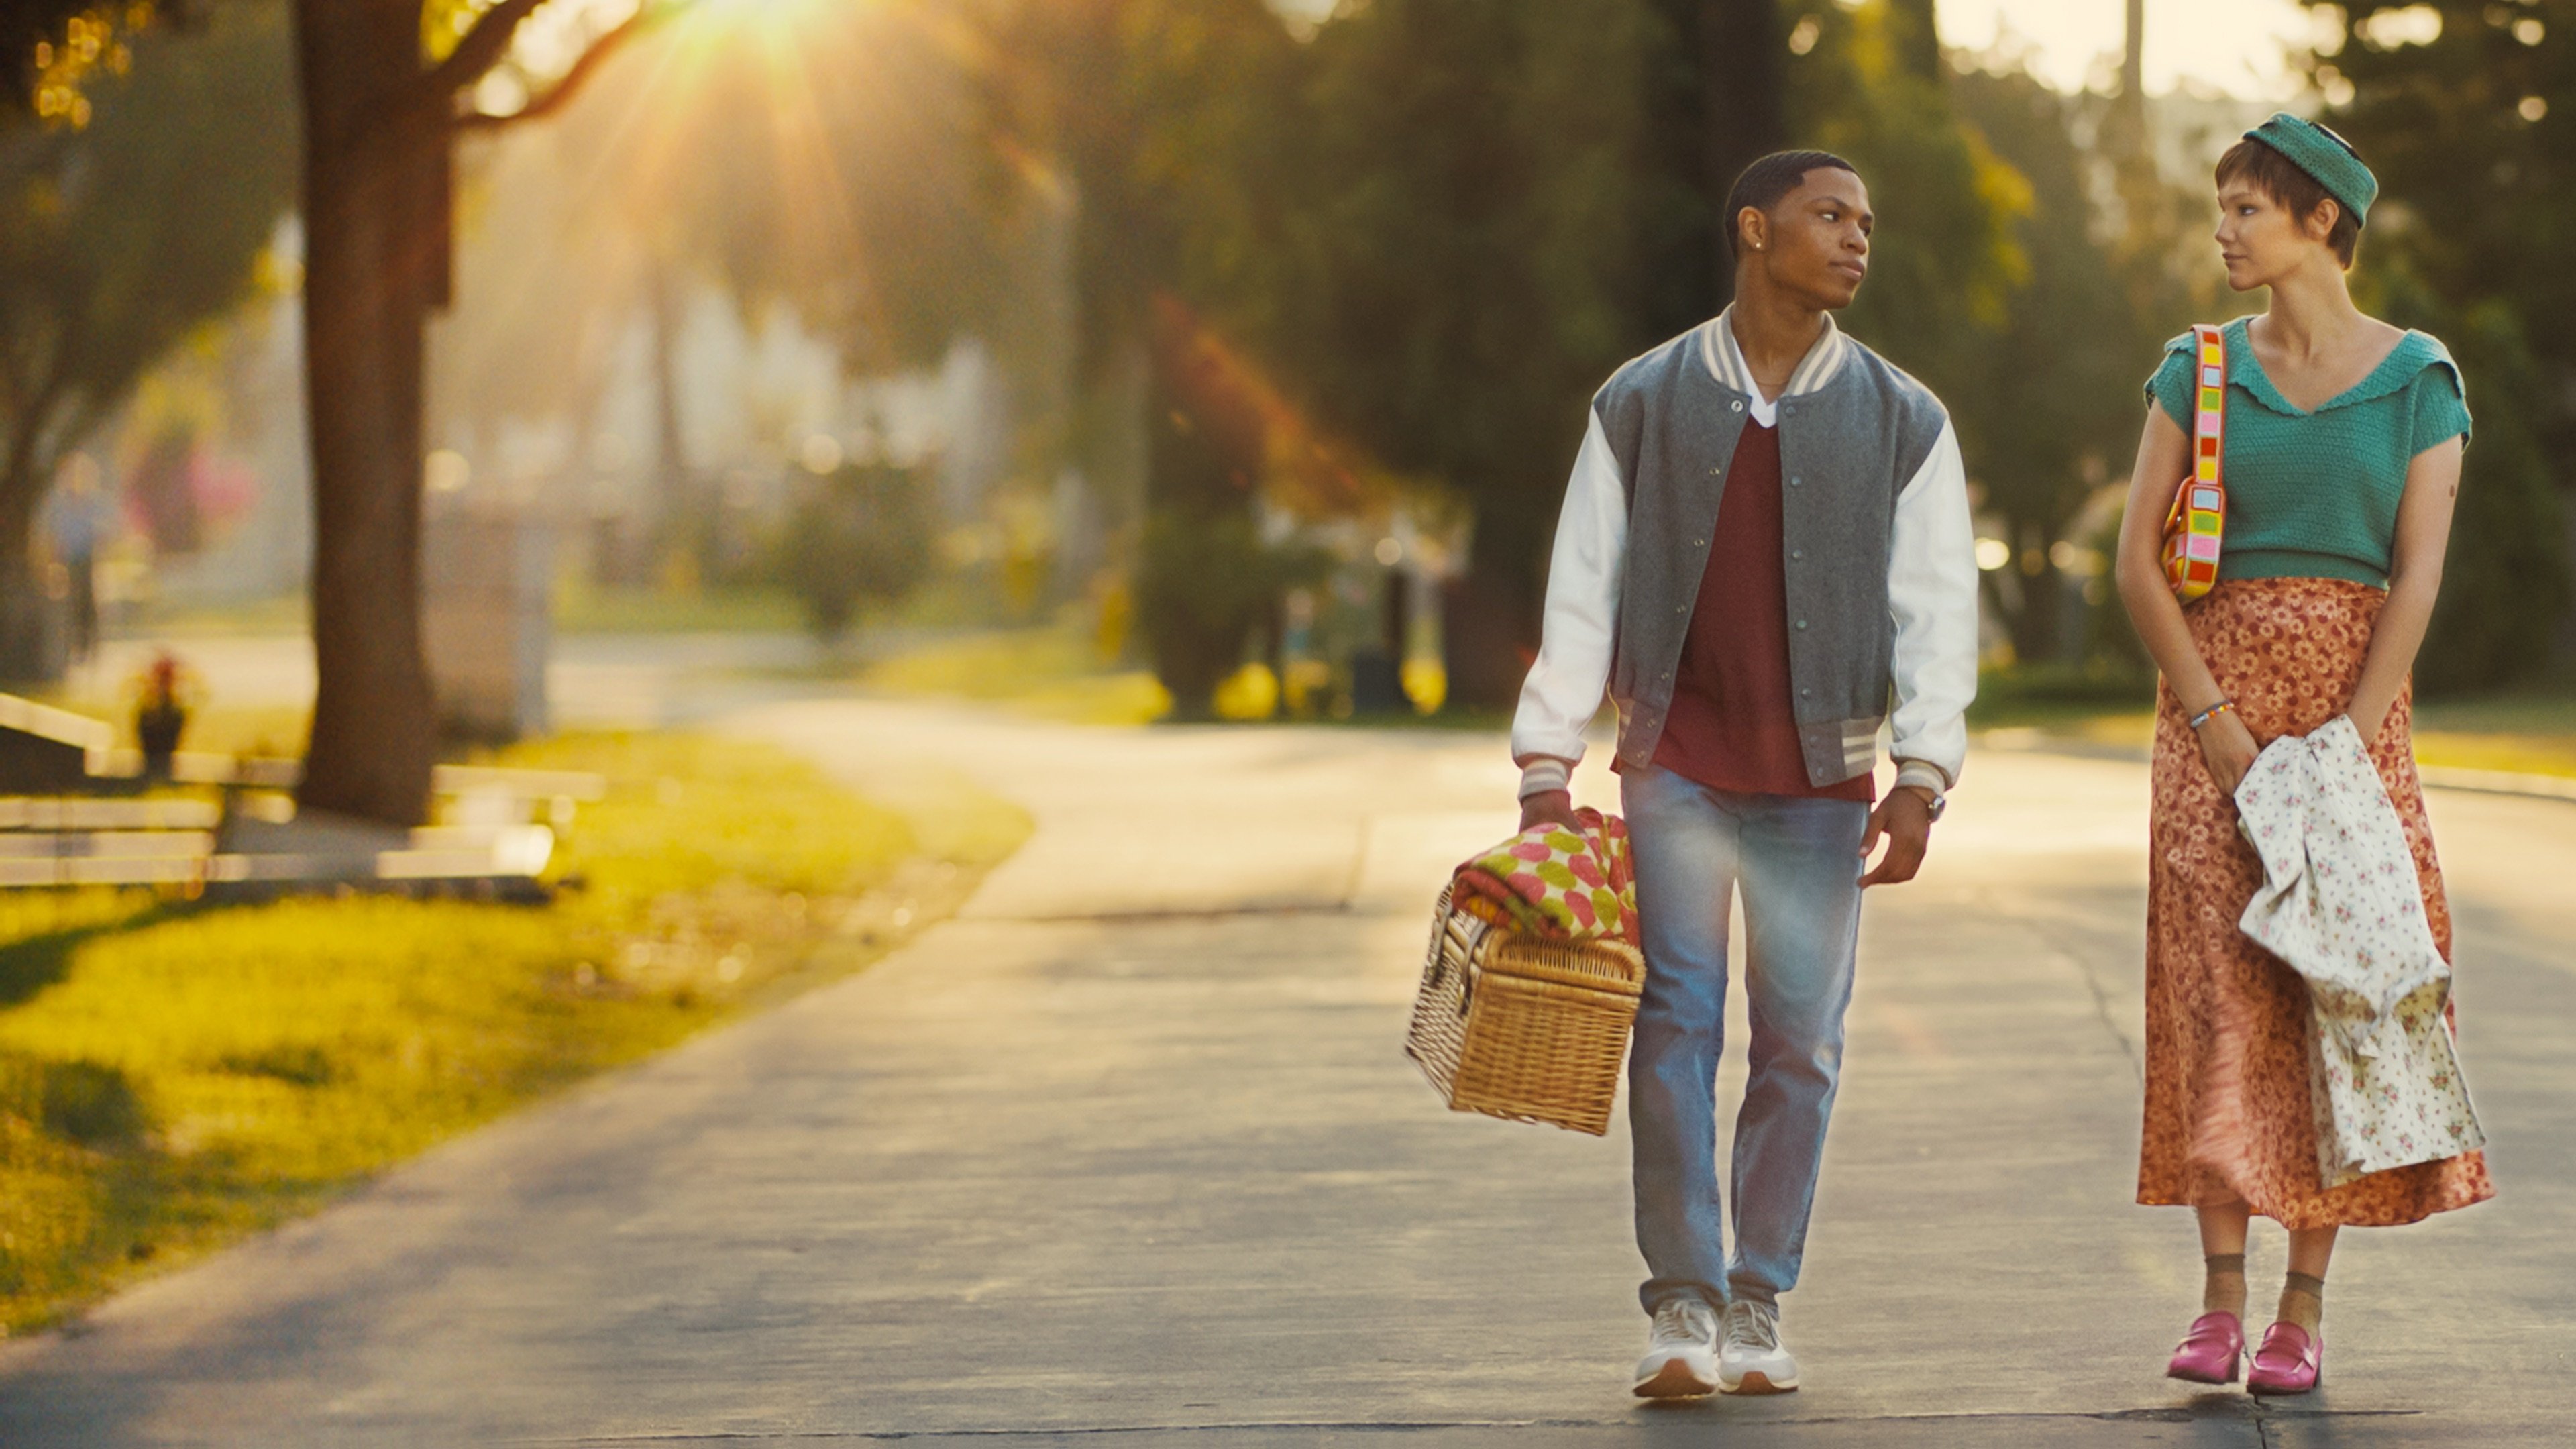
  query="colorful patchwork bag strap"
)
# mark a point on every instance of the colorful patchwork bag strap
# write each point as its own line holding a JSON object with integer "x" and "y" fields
{"x": 2197, "y": 521}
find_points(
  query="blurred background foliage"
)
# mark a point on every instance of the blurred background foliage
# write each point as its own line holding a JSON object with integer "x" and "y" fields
{"x": 1285, "y": 314}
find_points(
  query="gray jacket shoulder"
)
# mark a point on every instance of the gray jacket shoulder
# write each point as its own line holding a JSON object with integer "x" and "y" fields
{"x": 1912, "y": 415}
{"x": 1641, "y": 381}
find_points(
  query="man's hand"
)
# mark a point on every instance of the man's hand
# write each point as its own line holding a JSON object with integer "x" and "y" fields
{"x": 1549, "y": 807}
{"x": 1905, "y": 818}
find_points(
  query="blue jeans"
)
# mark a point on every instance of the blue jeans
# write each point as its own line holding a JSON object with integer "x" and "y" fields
{"x": 1797, "y": 862}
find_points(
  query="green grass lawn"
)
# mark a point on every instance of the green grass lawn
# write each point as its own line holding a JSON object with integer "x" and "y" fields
{"x": 1051, "y": 672}
{"x": 174, "y": 1076}
{"x": 593, "y": 609}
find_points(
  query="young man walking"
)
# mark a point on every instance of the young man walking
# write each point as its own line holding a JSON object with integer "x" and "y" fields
{"x": 1765, "y": 540}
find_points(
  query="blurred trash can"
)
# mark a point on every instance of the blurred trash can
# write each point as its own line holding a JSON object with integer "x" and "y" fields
{"x": 488, "y": 610}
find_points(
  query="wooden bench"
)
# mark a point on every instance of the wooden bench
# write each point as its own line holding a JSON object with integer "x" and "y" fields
{"x": 253, "y": 841}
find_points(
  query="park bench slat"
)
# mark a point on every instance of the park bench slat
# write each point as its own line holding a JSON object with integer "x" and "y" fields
{"x": 40, "y": 812}
{"x": 107, "y": 844}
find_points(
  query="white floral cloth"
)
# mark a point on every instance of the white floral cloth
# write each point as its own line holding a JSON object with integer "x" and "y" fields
{"x": 2341, "y": 905}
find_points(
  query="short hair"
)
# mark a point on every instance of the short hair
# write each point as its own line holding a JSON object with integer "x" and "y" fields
{"x": 2294, "y": 190}
{"x": 1766, "y": 181}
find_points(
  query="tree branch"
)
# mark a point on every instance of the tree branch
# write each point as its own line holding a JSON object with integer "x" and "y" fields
{"x": 561, "y": 92}
{"x": 481, "y": 49}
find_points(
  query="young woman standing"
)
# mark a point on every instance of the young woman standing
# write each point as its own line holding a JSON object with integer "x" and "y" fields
{"x": 2343, "y": 444}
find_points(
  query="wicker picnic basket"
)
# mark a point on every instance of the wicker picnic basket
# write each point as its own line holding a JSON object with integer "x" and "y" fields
{"x": 1515, "y": 1026}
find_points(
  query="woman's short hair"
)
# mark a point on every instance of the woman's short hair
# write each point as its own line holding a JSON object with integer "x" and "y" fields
{"x": 2278, "y": 177}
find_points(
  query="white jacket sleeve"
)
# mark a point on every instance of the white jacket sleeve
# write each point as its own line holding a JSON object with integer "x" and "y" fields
{"x": 1563, "y": 690}
{"x": 1932, "y": 593}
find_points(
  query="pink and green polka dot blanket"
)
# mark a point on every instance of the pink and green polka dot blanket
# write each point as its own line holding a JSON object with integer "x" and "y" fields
{"x": 1558, "y": 883}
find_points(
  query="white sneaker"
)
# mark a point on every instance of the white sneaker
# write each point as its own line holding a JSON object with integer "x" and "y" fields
{"x": 1681, "y": 1351}
{"x": 1753, "y": 1360}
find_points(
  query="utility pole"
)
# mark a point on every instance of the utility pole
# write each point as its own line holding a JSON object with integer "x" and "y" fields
{"x": 2133, "y": 68}
{"x": 1744, "y": 85}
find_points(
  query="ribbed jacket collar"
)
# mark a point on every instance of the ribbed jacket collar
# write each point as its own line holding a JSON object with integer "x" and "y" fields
{"x": 1725, "y": 359}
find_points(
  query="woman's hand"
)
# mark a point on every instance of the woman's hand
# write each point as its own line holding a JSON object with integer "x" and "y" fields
{"x": 2227, "y": 747}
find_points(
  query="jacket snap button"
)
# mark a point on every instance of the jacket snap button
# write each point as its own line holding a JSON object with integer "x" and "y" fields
{"x": 1739, "y": 407}
{"x": 1699, "y": 543}
{"x": 1797, "y": 555}
{"x": 1797, "y": 482}
{"x": 1802, "y": 623}
{"x": 1806, "y": 694}
{"x": 1668, "y": 674}
{"x": 1681, "y": 608}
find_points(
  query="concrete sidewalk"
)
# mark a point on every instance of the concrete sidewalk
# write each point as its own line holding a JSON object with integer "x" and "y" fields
{"x": 1127, "y": 1155}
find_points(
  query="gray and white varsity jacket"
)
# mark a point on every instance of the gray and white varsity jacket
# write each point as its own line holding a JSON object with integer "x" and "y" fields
{"x": 1881, "y": 558}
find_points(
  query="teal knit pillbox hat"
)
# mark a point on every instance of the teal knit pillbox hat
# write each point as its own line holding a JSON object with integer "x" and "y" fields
{"x": 2325, "y": 156}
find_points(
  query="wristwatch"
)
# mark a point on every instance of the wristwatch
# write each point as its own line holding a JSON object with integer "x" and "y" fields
{"x": 1938, "y": 801}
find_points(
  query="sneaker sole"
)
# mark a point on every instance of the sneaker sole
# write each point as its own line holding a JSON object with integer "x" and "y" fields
{"x": 1758, "y": 1382}
{"x": 1674, "y": 1381}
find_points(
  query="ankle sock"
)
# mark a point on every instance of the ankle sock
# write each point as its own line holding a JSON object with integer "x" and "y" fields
{"x": 2303, "y": 1301}
{"x": 2224, "y": 1291}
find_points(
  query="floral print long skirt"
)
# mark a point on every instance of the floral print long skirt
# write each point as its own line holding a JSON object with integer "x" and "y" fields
{"x": 2227, "y": 1107}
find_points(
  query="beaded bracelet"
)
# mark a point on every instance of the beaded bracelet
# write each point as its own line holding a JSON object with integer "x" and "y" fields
{"x": 2224, "y": 706}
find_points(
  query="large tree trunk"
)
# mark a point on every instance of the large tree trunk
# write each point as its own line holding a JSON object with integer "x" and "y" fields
{"x": 1742, "y": 59}
{"x": 1489, "y": 619}
{"x": 375, "y": 160}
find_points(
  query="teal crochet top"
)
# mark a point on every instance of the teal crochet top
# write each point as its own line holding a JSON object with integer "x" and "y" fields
{"x": 2314, "y": 494}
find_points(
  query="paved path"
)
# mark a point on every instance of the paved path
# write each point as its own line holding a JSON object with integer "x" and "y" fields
{"x": 1126, "y": 1156}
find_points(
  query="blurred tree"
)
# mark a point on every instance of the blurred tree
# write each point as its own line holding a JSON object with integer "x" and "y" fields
{"x": 1713, "y": 81}
{"x": 117, "y": 238}
{"x": 1506, "y": 199}
{"x": 1947, "y": 260}
{"x": 1951, "y": 273}
{"x": 386, "y": 87}
{"x": 859, "y": 536}
{"x": 2467, "y": 111}
{"x": 52, "y": 51}
{"x": 1914, "y": 31}
{"x": 1163, "y": 130}
{"x": 831, "y": 171}
{"x": 2048, "y": 410}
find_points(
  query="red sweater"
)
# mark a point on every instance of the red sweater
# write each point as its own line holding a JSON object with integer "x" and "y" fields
{"x": 1732, "y": 725}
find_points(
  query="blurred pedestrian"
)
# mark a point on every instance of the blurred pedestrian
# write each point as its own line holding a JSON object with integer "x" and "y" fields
{"x": 78, "y": 517}
{"x": 2342, "y": 444}
{"x": 1766, "y": 537}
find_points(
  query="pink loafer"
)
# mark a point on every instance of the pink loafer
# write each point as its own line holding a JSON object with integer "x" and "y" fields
{"x": 2289, "y": 1362}
{"x": 2211, "y": 1352}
